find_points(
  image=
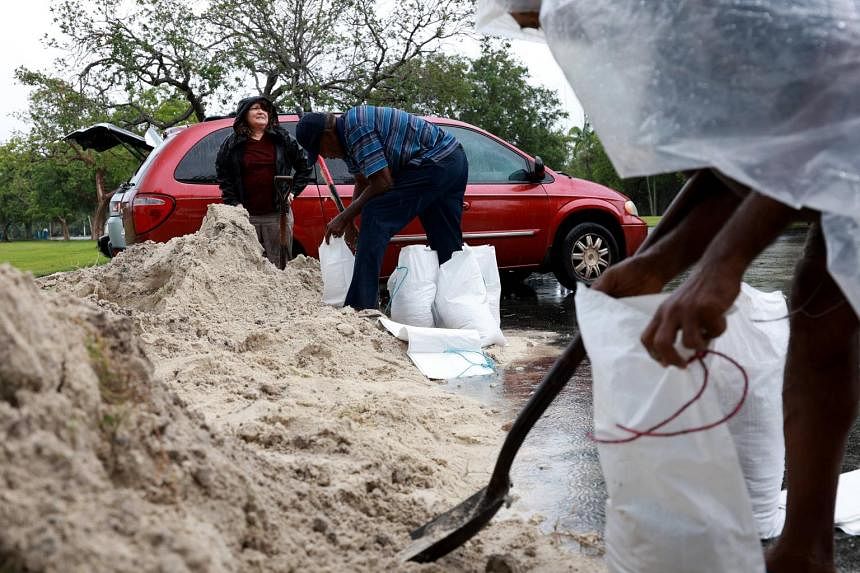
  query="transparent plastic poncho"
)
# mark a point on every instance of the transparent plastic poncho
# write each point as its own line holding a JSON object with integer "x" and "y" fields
{"x": 766, "y": 91}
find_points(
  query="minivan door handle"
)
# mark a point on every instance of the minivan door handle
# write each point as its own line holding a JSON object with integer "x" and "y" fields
{"x": 466, "y": 205}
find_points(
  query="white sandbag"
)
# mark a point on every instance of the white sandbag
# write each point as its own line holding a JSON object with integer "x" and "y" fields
{"x": 757, "y": 429}
{"x": 412, "y": 286}
{"x": 676, "y": 504}
{"x": 336, "y": 265}
{"x": 486, "y": 256}
{"x": 443, "y": 353}
{"x": 461, "y": 298}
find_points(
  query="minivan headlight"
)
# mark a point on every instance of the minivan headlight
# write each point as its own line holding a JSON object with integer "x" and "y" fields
{"x": 631, "y": 209}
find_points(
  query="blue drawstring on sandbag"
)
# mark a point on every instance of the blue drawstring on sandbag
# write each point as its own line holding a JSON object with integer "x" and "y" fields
{"x": 468, "y": 355}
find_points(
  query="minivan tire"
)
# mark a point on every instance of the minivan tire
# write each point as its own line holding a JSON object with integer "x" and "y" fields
{"x": 103, "y": 244}
{"x": 586, "y": 251}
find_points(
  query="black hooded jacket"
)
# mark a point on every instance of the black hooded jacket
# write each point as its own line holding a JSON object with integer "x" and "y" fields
{"x": 289, "y": 156}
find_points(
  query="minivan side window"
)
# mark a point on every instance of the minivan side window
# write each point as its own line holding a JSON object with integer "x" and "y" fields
{"x": 489, "y": 160}
{"x": 198, "y": 165}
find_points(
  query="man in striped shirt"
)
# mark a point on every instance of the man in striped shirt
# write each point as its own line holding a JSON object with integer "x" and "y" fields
{"x": 404, "y": 167}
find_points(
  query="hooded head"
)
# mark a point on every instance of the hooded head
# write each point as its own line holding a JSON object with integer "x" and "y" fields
{"x": 241, "y": 124}
{"x": 309, "y": 132}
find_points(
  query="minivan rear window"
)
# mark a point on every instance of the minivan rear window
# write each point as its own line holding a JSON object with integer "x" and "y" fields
{"x": 198, "y": 165}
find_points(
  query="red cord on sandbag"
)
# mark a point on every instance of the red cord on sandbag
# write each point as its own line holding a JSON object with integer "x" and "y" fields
{"x": 699, "y": 357}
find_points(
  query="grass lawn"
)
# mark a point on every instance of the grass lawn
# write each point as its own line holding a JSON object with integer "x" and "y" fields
{"x": 46, "y": 257}
{"x": 651, "y": 219}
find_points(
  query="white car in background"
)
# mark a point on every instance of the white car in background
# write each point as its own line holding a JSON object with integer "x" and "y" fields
{"x": 101, "y": 137}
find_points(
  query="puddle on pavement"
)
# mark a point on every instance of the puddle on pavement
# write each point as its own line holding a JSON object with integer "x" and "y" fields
{"x": 557, "y": 474}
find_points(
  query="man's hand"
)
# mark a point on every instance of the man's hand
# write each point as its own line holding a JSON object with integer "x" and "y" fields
{"x": 350, "y": 235}
{"x": 698, "y": 307}
{"x": 338, "y": 226}
{"x": 697, "y": 310}
{"x": 631, "y": 277}
{"x": 290, "y": 198}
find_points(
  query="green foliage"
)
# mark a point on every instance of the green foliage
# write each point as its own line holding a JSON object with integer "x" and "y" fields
{"x": 491, "y": 92}
{"x": 506, "y": 105}
{"x": 129, "y": 47}
{"x": 52, "y": 181}
{"x": 57, "y": 180}
{"x": 433, "y": 85}
{"x": 301, "y": 53}
{"x": 589, "y": 161}
{"x": 14, "y": 188}
{"x": 47, "y": 257}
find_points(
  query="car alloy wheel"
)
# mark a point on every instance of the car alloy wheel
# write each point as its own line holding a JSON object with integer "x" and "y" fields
{"x": 590, "y": 256}
{"x": 587, "y": 250}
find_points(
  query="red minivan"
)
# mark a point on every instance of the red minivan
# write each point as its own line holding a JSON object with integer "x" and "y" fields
{"x": 536, "y": 218}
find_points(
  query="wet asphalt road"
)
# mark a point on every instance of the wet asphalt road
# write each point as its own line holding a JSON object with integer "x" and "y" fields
{"x": 557, "y": 473}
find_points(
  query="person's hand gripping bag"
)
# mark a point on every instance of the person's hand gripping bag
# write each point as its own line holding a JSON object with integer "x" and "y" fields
{"x": 677, "y": 504}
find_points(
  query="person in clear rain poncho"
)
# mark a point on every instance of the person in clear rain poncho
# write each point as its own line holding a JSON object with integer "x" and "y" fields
{"x": 758, "y": 100}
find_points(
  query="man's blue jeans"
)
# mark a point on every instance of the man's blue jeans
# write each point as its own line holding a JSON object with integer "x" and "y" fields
{"x": 434, "y": 193}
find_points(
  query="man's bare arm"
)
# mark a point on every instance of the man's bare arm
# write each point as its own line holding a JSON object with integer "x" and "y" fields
{"x": 649, "y": 271}
{"x": 365, "y": 190}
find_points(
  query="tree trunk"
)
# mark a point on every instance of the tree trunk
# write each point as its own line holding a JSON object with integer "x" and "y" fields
{"x": 65, "y": 226}
{"x": 6, "y": 232}
{"x": 100, "y": 216}
{"x": 652, "y": 195}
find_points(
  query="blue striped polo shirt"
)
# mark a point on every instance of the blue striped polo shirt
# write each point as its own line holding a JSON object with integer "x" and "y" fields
{"x": 378, "y": 137}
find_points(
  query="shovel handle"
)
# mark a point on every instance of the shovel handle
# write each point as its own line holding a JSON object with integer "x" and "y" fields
{"x": 566, "y": 364}
{"x": 331, "y": 187}
{"x": 284, "y": 248}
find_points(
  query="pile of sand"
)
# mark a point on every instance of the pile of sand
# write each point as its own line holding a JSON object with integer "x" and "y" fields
{"x": 189, "y": 407}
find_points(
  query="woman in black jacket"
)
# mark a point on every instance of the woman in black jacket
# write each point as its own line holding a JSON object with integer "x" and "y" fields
{"x": 247, "y": 163}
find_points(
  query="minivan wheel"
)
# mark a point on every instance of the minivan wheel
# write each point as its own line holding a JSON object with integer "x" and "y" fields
{"x": 104, "y": 246}
{"x": 587, "y": 250}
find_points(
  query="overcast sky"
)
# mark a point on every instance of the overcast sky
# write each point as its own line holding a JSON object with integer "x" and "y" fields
{"x": 22, "y": 29}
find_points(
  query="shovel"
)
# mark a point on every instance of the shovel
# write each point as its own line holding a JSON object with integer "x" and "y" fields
{"x": 456, "y": 526}
{"x": 285, "y": 253}
{"x": 331, "y": 187}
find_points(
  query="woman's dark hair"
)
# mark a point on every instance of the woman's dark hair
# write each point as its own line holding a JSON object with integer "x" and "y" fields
{"x": 241, "y": 125}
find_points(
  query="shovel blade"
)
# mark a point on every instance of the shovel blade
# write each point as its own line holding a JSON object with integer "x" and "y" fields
{"x": 451, "y": 529}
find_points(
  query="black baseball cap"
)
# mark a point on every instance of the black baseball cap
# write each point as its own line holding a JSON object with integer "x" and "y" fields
{"x": 309, "y": 131}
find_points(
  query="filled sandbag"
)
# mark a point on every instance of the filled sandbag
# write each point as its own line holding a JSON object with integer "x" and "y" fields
{"x": 677, "y": 503}
{"x": 461, "y": 298}
{"x": 486, "y": 257}
{"x": 758, "y": 339}
{"x": 412, "y": 286}
{"x": 336, "y": 265}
